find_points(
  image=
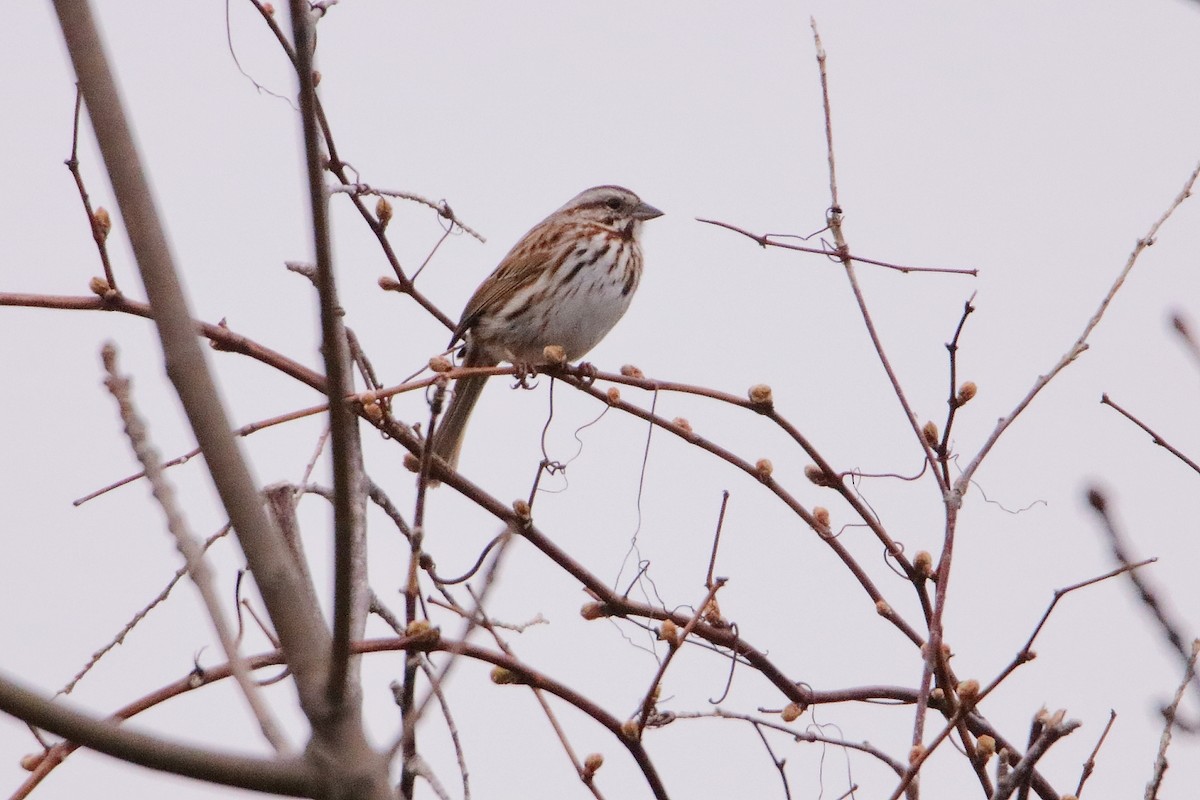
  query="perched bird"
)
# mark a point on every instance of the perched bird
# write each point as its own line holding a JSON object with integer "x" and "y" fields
{"x": 566, "y": 283}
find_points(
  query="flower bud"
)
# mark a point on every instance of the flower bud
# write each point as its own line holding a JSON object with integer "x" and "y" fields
{"x": 968, "y": 691}
{"x": 592, "y": 611}
{"x": 614, "y": 395}
{"x": 882, "y": 608}
{"x": 269, "y": 8}
{"x": 986, "y": 746}
{"x": 389, "y": 284}
{"x": 629, "y": 729}
{"x": 930, "y": 434}
{"x": 760, "y": 395}
{"x": 554, "y": 354}
{"x": 791, "y": 712}
{"x": 412, "y": 463}
{"x": 764, "y": 468}
{"x": 522, "y": 510}
{"x": 99, "y": 286}
{"x": 712, "y": 614}
{"x": 915, "y": 753}
{"x": 630, "y": 371}
{"x": 923, "y": 564}
{"x": 31, "y": 761}
{"x": 102, "y": 223}
{"x": 593, "y": 762}
{"x": 423, "y": 631}
{"x": 316, "y": 78}
{"x": 669, "y": 632}
{"x": 682, "y": 424}
{"x": 440, "y": 364}
{"x": 966, "y": 392}
{"x": 501, "y": 676}
{"x": 821, "y": 515}
{"x": 383, "y": 212}
{"x": 816, "y": 475}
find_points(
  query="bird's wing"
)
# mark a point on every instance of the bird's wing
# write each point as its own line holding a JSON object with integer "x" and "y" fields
{"x": 521, "y": 266}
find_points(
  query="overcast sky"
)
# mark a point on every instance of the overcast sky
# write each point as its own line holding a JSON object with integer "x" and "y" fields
{"x": 1034, "y": 142}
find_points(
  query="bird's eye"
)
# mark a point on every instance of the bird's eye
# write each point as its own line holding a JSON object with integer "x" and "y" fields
{"x": 613, "y": 202}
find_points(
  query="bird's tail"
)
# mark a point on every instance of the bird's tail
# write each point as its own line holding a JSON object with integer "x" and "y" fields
{"x": 447, "y": 438}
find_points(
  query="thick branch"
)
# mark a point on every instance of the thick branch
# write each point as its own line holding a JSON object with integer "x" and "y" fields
{"x": 291, "y": 777}
{"x": 300, "y": 628}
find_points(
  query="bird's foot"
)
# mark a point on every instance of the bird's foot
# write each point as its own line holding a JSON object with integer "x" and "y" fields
{"x": 587, "y": 372}
{"x": 523, "y": 373}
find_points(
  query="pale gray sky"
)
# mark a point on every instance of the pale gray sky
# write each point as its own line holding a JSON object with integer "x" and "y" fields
{"x": 1035, "y": 142}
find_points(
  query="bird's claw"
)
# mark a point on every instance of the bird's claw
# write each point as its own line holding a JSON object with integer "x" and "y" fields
{"x": 523, "y": 373}
{"x": 587, "y": 372}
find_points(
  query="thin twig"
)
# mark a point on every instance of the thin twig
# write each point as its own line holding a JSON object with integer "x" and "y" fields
{"x": 245, "y": 430}
{"x": 776, "y": 760}
{"x": 451, "y": 728}
{"x": 798, "y": 735}
{"x": 1184, "y": 330}
{"x": 1149, "y": 597}
{"x": 1026, "y": 654}
{"x": 1169, "y": 715}
{"x": 1054, "y": 727}
{"x": 99, "y": 225}
{"x": 412, "y": 596}
{"x": 958, "y": 398}
{"x": 338, "y": 167}
{"x": 1090, "y": 765}
{"x": 585, "y": 775}
{"x": 712, "y": 560}
{"x": 140, "y": 615}
{"x": 766, "y": 240}
{"x": 1158, "y": 440}
{"x": 442, "y": 207}
{"x": 190, "y": 547}
{"x": 842, "y": 253}
{"x": 1080, "y": 344}
{"x": 673, "y": 645}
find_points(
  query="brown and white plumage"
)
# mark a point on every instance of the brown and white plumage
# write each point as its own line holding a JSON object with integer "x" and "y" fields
{"x": 566, "y": 282}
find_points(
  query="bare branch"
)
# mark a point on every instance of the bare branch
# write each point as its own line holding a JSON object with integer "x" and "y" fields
{"x": 1090, "y": 765}
{"x": 99, "y": 221}
{"x": 287, "y": 776}
{"x": 1158, "y": 440}
{"x": 1149, "y": 597}
{"x": 442, "y": 207}
{"x": 349, "y": 502}
{"x": 1184, "y": 330}
{"x": 190, "y": 547}
{"x": 139, "y": 616}
{"x": 770, "y": 240}
{"x": 300, "y": 628}
{"x": 1054, "y": 727}
{"x": 1080, "y": 344}
{"x": 1169, "y": 716}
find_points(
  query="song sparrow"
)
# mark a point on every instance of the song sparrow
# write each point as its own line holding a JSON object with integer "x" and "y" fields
{"x": 566, "y": 283}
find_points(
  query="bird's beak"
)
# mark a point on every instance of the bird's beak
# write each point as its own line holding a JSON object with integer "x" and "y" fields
{"x": 646, "y": 211}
